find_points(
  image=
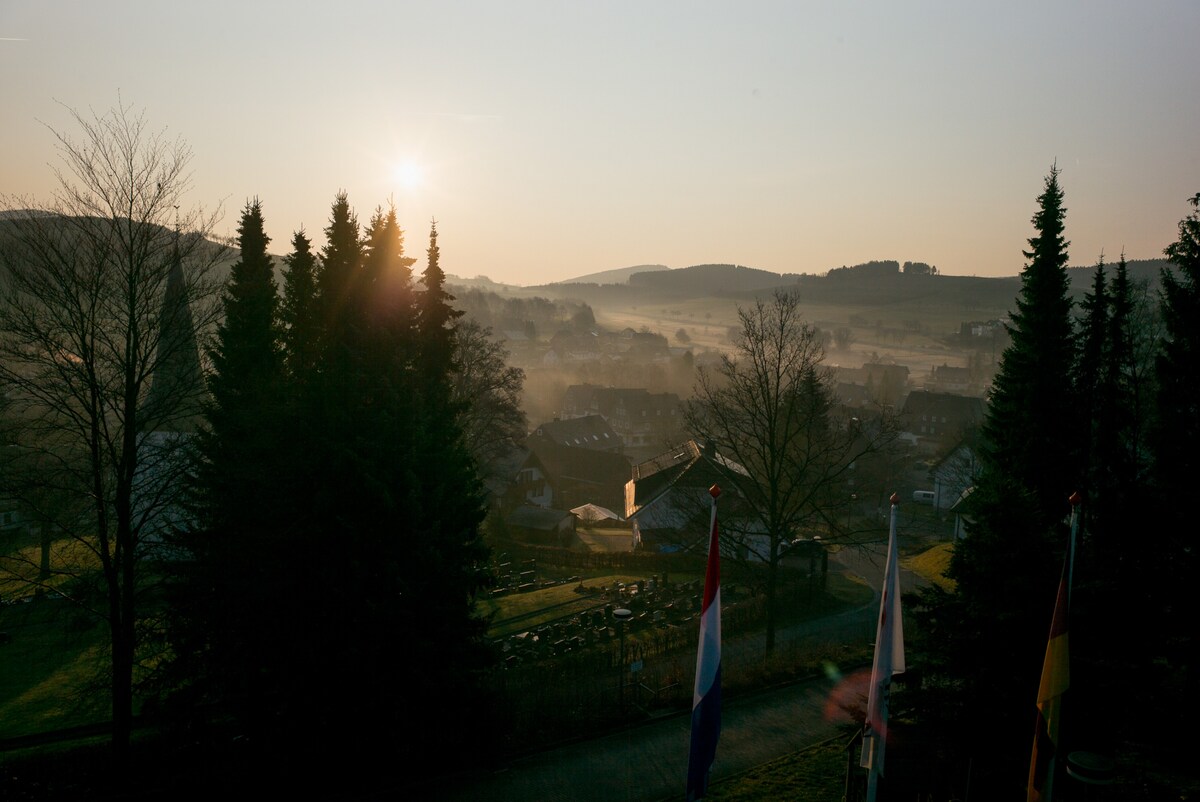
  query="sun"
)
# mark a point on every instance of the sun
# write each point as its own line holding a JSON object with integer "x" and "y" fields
{"x": 408, "y": 175}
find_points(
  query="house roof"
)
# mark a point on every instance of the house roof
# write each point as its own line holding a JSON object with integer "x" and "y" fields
{"x": 687, "y": 466}
{"x": 594, "y": 512}
{"x": 590, "y": 431}
{"x": 581, "y": 464}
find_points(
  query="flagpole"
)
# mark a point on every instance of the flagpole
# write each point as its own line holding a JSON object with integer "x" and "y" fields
{"x": 706, "y": 698}
{"x": 1056, "y": 679}
{"x": 1074, "y": 499}
{"x": 889, "y": 660}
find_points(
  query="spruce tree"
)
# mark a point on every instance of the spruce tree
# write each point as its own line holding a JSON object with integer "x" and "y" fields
{"x": 436, "y": 316}
{"x": 1114, "y": 466}
{"x": 1178, "y": 435}
{"x": 982, "y": 645}
{"x": 339, "y": 279}
{"x": 1031, "y": 431}
{"x": 1172, "y": 556}
{"x": 344, "y": 619}
{"x": 236, "y": 527}
{"x": 300, "y": 314}
{"x": 247, "y": 360}
{"x": 1090, "y": 367}
{"x": 389, "y": 273}
{"x": 247, "y": 370}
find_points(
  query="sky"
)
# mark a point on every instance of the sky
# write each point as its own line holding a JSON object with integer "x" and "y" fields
{"x": 552, "y": 139}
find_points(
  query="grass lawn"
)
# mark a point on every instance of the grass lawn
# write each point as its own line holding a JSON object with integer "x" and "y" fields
{"x": 932, "y": 565}
{"x": 816, "y": 774}
{"x": 561, "y": 599}
{"x": 50, "y": 668}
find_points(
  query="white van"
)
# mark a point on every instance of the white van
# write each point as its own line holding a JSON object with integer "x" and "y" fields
{"x": 923, "y": 496}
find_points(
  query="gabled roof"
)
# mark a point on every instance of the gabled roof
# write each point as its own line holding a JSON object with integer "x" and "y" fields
{"x": 688, "y": 466}
{"x": 594, "y": 512}
{"x": 581, "y": 464}
{"x": 590, "y": 431}
{"x": 606, "y": 400}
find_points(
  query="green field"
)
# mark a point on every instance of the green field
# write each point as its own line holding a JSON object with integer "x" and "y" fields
{"x": 911, "y": 332}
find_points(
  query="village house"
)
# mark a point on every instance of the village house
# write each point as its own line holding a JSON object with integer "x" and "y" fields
{"x": 949, "y": 379}
{"x": 639, "y": 417}
{"x": 936, "y": 421}
{"x": 590, "y": 431}
{"x": 668, "y": 503}
{"x": 556, "y": 475}
{"x": 952, "y": 475}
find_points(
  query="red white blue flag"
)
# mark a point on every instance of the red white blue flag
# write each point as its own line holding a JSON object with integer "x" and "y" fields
{"x": 889, "y": 660}
{"x": 706, "y": 701}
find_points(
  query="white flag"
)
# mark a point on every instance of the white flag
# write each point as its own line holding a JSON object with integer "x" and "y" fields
{"x": 889, "y": 660}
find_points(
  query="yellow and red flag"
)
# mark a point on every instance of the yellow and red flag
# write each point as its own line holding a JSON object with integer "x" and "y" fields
{"x": 1056, "y": 678}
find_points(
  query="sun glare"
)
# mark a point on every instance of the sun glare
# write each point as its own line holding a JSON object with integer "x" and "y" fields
{"x": 409, "y": 175}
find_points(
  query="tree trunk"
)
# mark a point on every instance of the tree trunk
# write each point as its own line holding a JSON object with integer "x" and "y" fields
{"x": 772, "y": 577}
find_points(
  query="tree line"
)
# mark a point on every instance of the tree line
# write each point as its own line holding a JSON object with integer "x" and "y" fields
{"x": 281, "y": 487}
{"x": 1099, "y": 400}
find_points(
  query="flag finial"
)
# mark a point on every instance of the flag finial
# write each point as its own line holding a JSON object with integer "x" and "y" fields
{"x": 1075, "y": 499}
{"x": 714, "y": 491}
{"x": 895, "y": 499}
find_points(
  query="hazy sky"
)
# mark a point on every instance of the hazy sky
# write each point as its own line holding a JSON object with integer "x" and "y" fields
{"x": 553, "y": 139}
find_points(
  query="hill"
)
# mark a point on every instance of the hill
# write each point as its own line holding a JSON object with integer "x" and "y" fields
{"x": 620, "y": 275}
{"x": 224, "y": 251}
{"x": 871, "y": 284}
{"x": 706, "y": 280}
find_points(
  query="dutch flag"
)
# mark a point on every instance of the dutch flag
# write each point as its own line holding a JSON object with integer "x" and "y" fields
{"x": 706, "y": 701}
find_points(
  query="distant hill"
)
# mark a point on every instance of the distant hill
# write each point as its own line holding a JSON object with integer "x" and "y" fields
{"x": 704, "y": 280}
{"x": 1148, "y": 270}
{"x": 621, "y": 275}
{"x": 10, "y": 222}
{"x": 873, "y": 284}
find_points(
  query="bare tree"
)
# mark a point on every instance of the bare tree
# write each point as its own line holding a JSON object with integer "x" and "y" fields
{"x": 103, "y": 292}
{"x": 488, "y": 390}
{"x": 769, "y": 408}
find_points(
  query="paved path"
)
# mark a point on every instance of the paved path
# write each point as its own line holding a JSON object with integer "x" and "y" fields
{"x": 649, "y": 762}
